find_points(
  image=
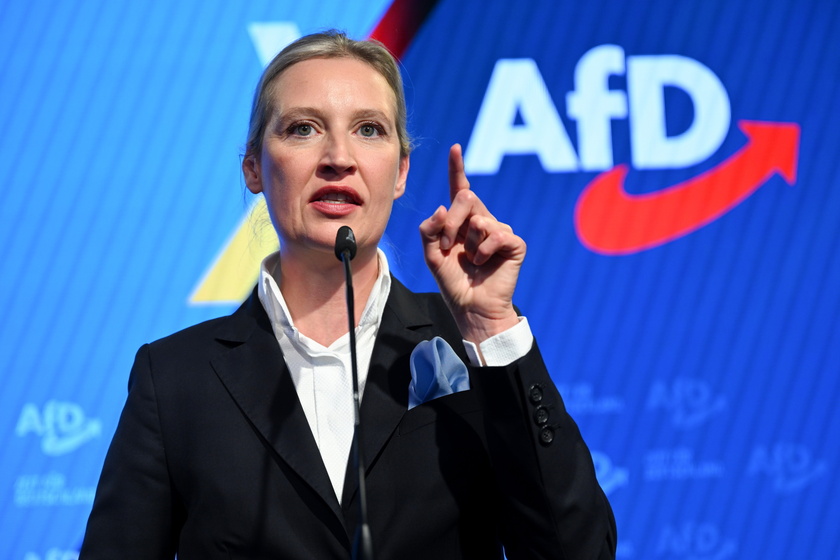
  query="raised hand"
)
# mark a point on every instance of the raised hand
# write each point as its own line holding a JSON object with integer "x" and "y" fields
{"x": 474, "y": 258}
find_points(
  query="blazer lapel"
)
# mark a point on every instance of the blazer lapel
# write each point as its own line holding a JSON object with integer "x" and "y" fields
{"x": 255, "y": 374}
{"x": 385, "y": 398}
{"x": 253, "y": 370}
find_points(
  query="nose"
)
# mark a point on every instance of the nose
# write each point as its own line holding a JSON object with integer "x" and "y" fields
{"x": 338, "y": 157}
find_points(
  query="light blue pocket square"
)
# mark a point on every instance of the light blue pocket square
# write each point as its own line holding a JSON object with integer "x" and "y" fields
{"x": 436, "y": 371}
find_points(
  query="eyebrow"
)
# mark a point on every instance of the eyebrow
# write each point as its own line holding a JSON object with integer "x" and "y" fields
{"x": 298, "y": 112}
{"x": 372, "y": 114}
{"x": 302, "y": 112}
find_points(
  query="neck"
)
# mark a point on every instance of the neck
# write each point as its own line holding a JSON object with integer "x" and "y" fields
{"x": 314, "y": 290}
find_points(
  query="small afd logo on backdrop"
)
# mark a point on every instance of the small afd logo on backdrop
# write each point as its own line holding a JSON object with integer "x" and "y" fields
{"x": 695, "y": 541}
{"x": 62, "y": 426}
{"x": 790, "y": 467}
{"x": 689, "y": 402}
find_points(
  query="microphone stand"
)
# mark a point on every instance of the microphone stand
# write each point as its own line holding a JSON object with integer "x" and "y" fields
{"x": 345, "y": 249}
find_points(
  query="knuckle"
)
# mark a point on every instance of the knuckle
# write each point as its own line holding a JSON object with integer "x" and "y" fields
{"x": 465, "y": 196}
{"x": 450, "y": 224}
{"x": 478, "y": 222}
{"x": 499, "y": 236}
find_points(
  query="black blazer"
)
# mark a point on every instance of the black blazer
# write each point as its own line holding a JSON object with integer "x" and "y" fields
{"x": 213, "y": 456}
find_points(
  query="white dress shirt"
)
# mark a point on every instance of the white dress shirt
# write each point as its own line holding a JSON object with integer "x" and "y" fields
{"x": 321, "y": 374}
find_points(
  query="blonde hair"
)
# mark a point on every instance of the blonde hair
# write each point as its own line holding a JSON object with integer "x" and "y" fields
{"x": 328, "y": 44}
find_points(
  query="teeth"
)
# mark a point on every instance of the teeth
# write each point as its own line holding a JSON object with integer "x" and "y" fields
{"x": 338, "y": 198}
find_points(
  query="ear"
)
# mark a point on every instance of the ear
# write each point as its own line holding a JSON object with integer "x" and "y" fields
{"x": 402, "y": 177}
{"x": 251, "y": 173}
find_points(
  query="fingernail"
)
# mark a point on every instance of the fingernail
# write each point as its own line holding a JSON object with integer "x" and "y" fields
{"x": 444, "y": 242}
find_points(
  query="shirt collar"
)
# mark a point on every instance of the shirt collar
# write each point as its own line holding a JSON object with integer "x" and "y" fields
{"x": 275, "y": 306}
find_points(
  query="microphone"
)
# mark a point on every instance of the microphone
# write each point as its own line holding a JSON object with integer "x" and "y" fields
{"x": 345, "y": 243}
{"x": 345, "y": 250}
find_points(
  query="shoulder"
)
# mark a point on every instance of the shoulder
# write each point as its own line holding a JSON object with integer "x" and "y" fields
{"x": 205, "y": 339}
{"x": 206, "y": 330}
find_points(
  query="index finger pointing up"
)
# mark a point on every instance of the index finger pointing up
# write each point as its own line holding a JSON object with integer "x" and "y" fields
{"x": 457, "y": 178}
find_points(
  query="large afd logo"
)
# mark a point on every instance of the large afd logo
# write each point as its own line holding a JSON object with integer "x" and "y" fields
{"x": 518, "y": 116}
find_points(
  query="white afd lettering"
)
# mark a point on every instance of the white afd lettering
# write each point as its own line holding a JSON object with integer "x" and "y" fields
{"x": 647, "y": 77}
{"x": 517, "y": 88}
{"x": 593, "y": 105}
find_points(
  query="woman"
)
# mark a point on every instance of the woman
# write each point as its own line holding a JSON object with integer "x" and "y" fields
{"x": 235, "y": 436}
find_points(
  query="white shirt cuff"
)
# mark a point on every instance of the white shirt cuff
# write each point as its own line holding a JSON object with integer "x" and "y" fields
{"x": 503, "y": 348}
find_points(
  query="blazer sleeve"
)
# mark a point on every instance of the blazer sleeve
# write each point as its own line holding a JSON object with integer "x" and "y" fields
{"x": 133, "y": 515}
{"x": 553, "y": 506}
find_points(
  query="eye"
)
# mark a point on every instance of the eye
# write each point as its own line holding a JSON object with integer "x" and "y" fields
{"x": 301, "y": 129}
{"x": 370, "y": 130}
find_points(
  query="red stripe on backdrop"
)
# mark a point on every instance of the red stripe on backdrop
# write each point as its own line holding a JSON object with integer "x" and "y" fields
{"x": 400, "y": 24}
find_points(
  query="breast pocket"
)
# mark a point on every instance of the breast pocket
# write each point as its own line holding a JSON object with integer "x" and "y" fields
{"x": 456, "y": 408}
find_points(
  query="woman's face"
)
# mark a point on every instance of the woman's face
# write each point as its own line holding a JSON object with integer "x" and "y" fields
{"x": 330, "y": 155}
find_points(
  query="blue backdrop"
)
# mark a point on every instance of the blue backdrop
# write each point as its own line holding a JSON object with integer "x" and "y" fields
{"x": 673, "y": 167}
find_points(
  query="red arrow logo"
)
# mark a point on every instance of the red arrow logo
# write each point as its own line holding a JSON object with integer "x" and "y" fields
{"x": 610, "y": 221}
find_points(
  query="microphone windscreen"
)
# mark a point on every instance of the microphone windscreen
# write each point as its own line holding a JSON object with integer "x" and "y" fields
{"x": 345, "y": 241}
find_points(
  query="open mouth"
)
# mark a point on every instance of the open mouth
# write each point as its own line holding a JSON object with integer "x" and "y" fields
{"x": 337, "y": 196}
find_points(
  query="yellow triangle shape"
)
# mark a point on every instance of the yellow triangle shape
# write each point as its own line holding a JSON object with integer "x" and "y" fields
{"x": 236, "y": 269}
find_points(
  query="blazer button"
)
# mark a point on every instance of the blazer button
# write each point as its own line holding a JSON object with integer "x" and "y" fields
{"x": 546, "y": 436}
{"x": 535, "y": 394}
{"x": 541, "y": 415}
